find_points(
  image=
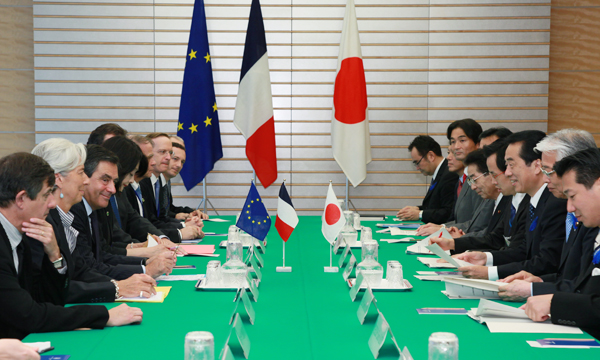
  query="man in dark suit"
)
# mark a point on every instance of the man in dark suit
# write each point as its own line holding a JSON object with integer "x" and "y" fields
{"x": 463, "y": 136}
{"x": 580, "y": 176}
{"x": 33, "y": 301}
{"x": 545, "y": 230}
{"x": 438, "y": 203}
{"x": 96, "y": 225}
{"x": 155, "y": 194}
{"x": 578, "y": 237}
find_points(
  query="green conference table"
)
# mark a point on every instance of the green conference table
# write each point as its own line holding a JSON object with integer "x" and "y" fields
{"x": 305, "y": 314}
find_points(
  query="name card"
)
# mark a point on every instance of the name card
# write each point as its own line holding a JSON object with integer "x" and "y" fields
{"x": 252, "y": 287}
{"x": 226, "y": 353}
{"x": 365, "y": 304}
{"x": 379, "y": 335}
{"x": 256, "y": 268}
{"x": 248, "y": 306}
{"x": 242, "y": 335}
{"x": 349, "y": 267}
{"x": 356, "y": 287}
{"x": 338, "y": 242}
{"x": 258, "y": 256}
{"x": 343, "y": 258}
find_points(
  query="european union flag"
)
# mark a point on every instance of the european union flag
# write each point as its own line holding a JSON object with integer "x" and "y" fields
{"x": 254, "y": 218}
{"x": 198, "y": 122}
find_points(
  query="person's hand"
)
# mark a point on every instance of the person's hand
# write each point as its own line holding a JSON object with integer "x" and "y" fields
{"x": 199, "y": 214}
{"x": 43, "y": 232}
{"x": 124, "y": 315}
{"x": 182, "y": 216}
{"x": 445, "y": 244}
{"x": 428, "y": 229}
{"x": 522, "y": 275}
{"x": 538, "y": 307}
{"x": 13, "y": 349}
{"x": 474, "y": 272}
{"x": 518, "y": 290}
{"x": 409, "y": 213}
{"x": 171, "y": 245}
{"x": 455, "y": 232}
{"x": 162, "y": 263}
{"x": 194, "y": 220}
{"x": 190, "y": 232}
{"x": 473, "y": 257}
{"x": 137, "y": 285}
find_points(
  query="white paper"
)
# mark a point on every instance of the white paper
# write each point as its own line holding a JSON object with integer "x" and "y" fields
{"x": 432, "y": 263}
{"x": 441, "y": 233}
{"x": 529, "y": 326}
{"x": 492, "y": 308}
{"x": 156, "y": 297}
{"x": 536, "y": 344}
{"x": 457, "y": 291}
{"x": 477, "y": 284}
{"x": 216, "y": 220}
{"x": 436, "y": 249}
{"x": 403, "y": 240}
{"x": 397, "y": 231}
{"x": 42, "y": 346}
{"x": 430, "y": 277}
{"x": 194, "y": 277}
{"x": 422, "y": 248}
{"x": 384, "y": 231}
{"x": 151, "y": 241}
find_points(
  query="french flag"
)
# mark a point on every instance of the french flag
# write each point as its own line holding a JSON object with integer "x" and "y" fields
{"x": 287, "y": 219}
{"x": 254, "y": 105}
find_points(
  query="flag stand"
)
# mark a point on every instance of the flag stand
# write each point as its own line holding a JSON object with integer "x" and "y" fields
{"x": 283, "y": 268}
{"x": 331, "y": 268}
{"x": 205, "y": 199}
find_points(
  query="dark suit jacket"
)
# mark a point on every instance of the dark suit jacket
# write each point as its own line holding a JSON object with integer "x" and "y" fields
{"x": 439, "y": 201}
{"x": 93, "y": 250}
{"x": 174, "y": 210}
{"x": 493, "y": 236}
{"x": 574, "y": 254}
{"x": 465, "y": 209}
{"x": 159, "y": 220}
{"x": 544, "y": 239}
{"x": 33, "y": 301}
{"x": 86, "y": 285}
{"x": 168, "y": 229}
{"x": 581, "y": 309}
{"x": 516, "y": 243}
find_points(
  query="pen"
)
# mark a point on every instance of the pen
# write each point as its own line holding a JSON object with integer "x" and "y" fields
{"x": 440, "y": 235}
{"x": 46, "y": 350}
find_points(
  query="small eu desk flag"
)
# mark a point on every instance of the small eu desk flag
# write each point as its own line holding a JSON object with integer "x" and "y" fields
{"x": 254, "y": 218}
{"x": 198, "y": 122}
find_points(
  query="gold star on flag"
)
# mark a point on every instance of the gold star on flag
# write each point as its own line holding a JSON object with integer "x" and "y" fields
{"x": 215, "y": 107}
{"x": 192, "y": 54}
{"x": 207, "y": 121}
{"x": 207, "y": 57}
{"x": 179, "y": 126}
{"x": 194, "y": 128}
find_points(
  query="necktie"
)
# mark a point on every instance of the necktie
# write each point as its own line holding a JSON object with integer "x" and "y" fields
{"x": 569, "y": 222}
{"x": 164, "y": 199}
{"x": 138, "y": 193}
{"x": 96, "y": 235}
{"x": 157, "y": 196}
{"x": 460, "y": 185}
{"x": 513, "y": 212}
{"x": 20, "y": 251}
{"x": 596, "y": 258}
{"x": 531, "y": 212}
{"x": 115, "y": 207}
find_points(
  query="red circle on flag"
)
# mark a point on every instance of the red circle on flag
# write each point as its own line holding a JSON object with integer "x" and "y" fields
{"x": 350, "y": 92}
{"x": 332, "y": 214}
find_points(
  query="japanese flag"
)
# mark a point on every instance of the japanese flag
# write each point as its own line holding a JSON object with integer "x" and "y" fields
{"x": 332, "y": 220}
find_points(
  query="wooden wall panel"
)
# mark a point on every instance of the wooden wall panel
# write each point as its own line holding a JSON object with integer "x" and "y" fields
{"x": 17, "y": 124}
{"x": 574, "y": 84}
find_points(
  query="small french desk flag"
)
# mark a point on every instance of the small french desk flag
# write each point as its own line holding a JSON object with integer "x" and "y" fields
{"x": 287, "y": 219}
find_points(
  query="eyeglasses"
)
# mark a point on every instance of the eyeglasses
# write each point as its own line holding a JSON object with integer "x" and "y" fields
{"x": 496, "y": 176}
{"x": 548, "y": 173}
{"x": 164, "y": 152}
{"x": 418, "y": 162}
{"x": 472, "y": 181}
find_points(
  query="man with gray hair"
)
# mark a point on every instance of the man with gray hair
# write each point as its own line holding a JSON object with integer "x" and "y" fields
{"x": 521, "y": 285}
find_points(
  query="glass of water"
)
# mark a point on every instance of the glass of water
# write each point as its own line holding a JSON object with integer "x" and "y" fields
{"x": 443, "y": 346}
{"x": 394, "y": 274}
{"x": 199, "y": 345}
{"x": 213, "y": 275}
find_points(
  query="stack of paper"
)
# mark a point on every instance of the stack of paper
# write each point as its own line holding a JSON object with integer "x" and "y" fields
{"x": 199, "y": 250}
{"x": 462, "y": 288}
{"x": 437, "y": 275}
{"x": 399, "y": 232}
{"x": 501, "y": 318}
{"x": 161, "y": 294}
{"x": 421, "y": 248}
{"x": 403, "y": 240}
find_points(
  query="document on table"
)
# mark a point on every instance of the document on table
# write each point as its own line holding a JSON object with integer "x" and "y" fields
{"x": 161, "y": 294}
{"x": 403, "y": 240}
{"x": 199, "y": 250}
{"x": 421, "y": 248}
{"x": 42, "y": 346}
{"x": 461, "y": 288}
{"x": 399, "y": 232}
{"x": 195, "y": 277}
{"x": 436, "y": 249}
{"x": 501, "y": 318}
{"x": 216, "y": 220}
{"x": 432, "y": 263}
{"x": 437, "y": 275}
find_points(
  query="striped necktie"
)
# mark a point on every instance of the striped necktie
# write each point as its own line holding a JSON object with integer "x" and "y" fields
{"x": 569, "y": 224}
{"x": 156, "y": 196}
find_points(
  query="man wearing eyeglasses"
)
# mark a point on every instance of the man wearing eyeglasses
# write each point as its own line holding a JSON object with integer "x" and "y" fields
{"x": 544, "y": 228}
{"x": 438, "y": 203}
{"x": 579, "y": 240}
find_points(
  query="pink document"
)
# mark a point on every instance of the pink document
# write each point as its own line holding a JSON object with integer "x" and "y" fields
{"x": 199, "y": 250}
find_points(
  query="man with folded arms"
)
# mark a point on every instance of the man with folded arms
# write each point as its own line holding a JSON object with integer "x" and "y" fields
{"x": 544, "y": 228}
{"x": 580, "y": 176}
{"x": 33, "y": 301}
{"x": 464, "y": 138}
{"x": 579, "y": 239}
{"x": 438, "y": 203}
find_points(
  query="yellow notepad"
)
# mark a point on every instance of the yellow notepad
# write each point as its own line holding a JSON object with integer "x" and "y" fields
{"x": 161, "y": 294}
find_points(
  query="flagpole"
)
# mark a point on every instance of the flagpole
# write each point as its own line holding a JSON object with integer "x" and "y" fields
{"x": 347, "y": 194}
{"x": 204, "y": 193}
{"x": 283, "y": 268}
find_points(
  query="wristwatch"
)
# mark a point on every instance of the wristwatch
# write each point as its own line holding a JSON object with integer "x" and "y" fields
{"x": 59, "y": 263}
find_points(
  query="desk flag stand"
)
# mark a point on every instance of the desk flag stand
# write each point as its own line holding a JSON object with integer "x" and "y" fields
{"x": 332, "y": 223}
{"x": 286, "y": 221}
